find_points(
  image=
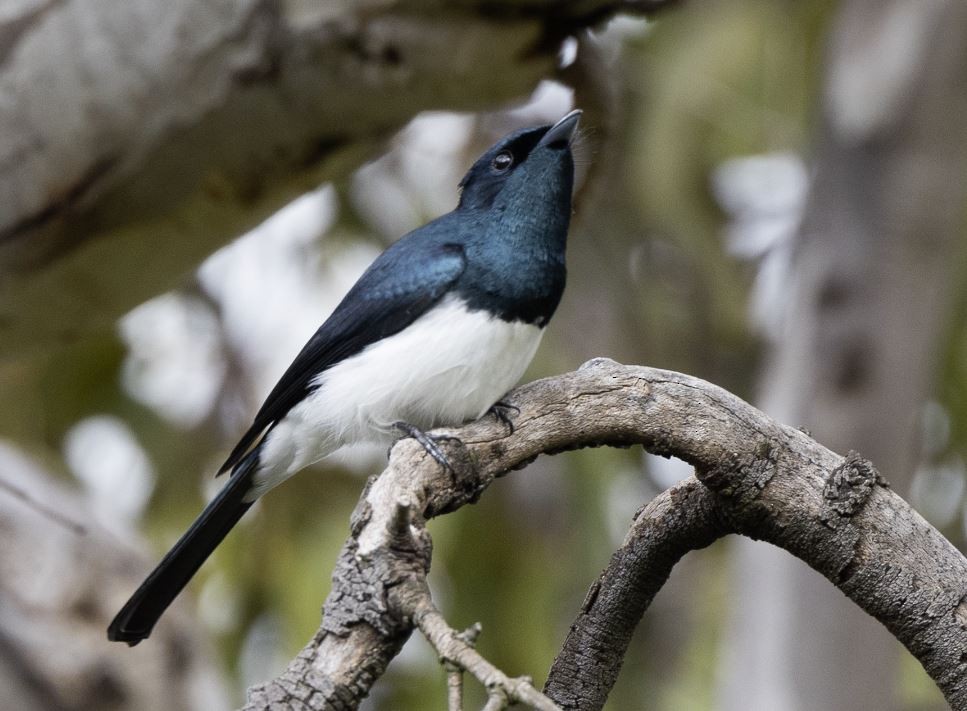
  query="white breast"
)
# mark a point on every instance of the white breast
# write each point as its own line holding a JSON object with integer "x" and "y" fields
{"x": 448, "y": 366}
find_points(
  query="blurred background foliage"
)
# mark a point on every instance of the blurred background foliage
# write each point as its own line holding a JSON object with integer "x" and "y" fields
{"x": 694, "y": 176}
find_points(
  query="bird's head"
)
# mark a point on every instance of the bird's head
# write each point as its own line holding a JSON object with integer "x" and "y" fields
{"x": 531, "y": 170}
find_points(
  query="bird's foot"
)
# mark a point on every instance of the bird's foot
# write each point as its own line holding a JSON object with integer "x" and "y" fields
{"x": 428, "y": 443}
{"x": 501, "y": 411}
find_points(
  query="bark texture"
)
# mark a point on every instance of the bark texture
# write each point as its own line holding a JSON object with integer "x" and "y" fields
{"x": 681, "y": 519}
{"x": 875, "y": 265}
{"x": 754, "y": 476}
{"x": 137, "y": 137}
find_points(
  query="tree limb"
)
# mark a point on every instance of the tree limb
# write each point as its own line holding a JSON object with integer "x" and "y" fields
{"x": 758, "y": 478}
{"x": 455, "y": 672}
{"x": 681, "y": 519}
{"x": 129, "y": 125}
{"x": 413, "y": 599}
{"x": 60, "y": 579}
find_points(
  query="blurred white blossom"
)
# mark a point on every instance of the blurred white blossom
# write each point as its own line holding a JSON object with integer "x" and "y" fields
{"x": 272, "y": 288}
{"x": 416, "y": 180}
{"x": 105, "y": 456}
{"x": 764, "y": 196}
{"x": 174, "y": 363}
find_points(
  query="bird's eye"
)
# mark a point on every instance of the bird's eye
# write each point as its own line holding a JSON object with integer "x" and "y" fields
{"x": 502, "y": 161}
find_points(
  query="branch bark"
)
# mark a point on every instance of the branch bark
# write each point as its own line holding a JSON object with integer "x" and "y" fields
{"x": 125, "y": 126}
{"x": 754, "y": 476}
{"x": 681, "y": 519}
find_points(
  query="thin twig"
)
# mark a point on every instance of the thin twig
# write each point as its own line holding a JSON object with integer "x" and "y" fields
{"x": 454, "y": 648}
{"x": 496, "y": 702}
{"x": 454, "y": 687}
{"x": 455, "y": 673}
{"x": 43, "y": 510}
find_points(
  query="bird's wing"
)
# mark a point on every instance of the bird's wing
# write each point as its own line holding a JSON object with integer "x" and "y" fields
{"x": 400, "y": 286}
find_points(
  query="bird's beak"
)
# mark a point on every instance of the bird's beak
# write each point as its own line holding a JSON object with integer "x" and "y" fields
{"x": 560, "y": 134}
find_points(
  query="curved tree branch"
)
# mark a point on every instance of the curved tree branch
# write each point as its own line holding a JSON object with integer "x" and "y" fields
{"x": 757, "y": 477}
{"x": 683, "y": 518}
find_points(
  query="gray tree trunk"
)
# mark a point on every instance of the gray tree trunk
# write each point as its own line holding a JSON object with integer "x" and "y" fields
{"x": 864, "y": 326}
{"x": 56, "y": 562}
{"x": 137, "y": 137}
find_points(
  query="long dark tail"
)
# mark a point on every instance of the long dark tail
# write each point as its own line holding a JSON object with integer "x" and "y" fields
{"x": 139, "y": 615}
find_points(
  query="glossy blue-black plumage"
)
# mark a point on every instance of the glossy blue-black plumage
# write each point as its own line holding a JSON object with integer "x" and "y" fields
{"x": 501, "y": 250}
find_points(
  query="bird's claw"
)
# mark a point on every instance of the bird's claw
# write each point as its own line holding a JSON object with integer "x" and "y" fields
{"x": 501, "y": 412}
{"x": 428, "y": 443}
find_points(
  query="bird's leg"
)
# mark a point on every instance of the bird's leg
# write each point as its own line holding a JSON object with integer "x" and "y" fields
{"x": 428, "y": 443}
{"x": 501, "y": 412}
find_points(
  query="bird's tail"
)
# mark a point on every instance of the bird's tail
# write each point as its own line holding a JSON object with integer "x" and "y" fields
{"x": 135, "y": 620}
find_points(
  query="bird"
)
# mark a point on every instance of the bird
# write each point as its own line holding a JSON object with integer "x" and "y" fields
{"x": 434, "y": 333}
